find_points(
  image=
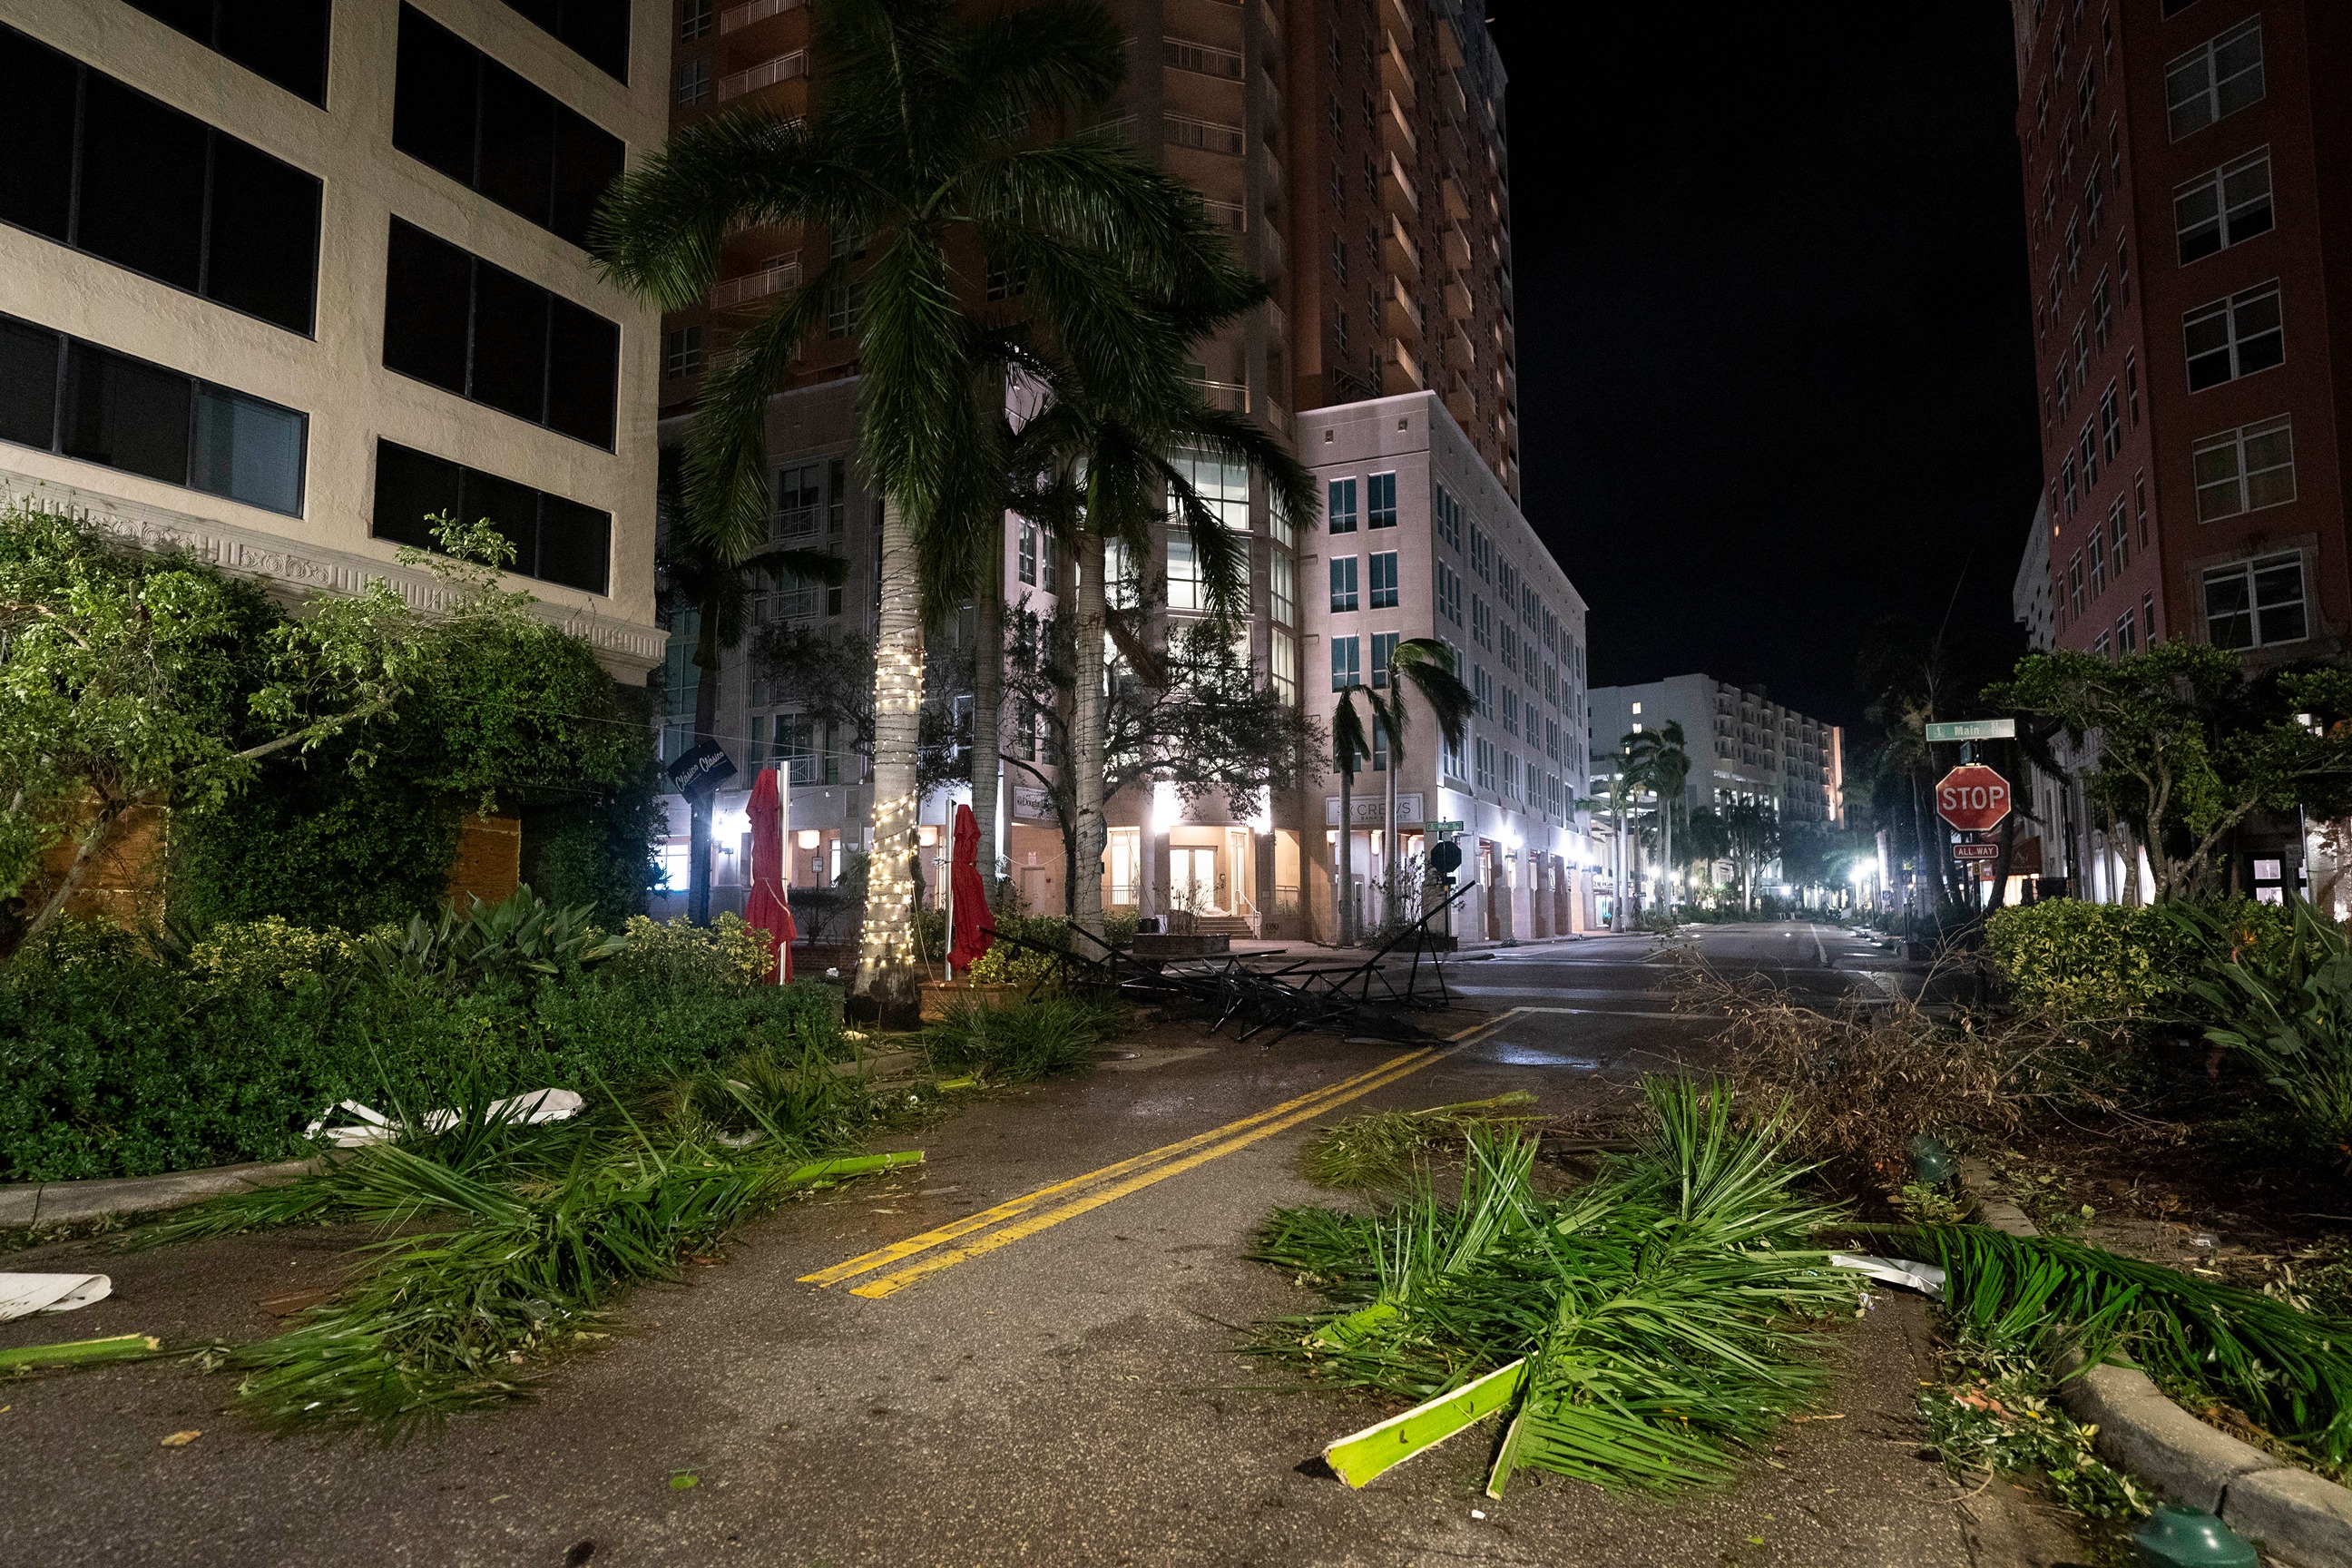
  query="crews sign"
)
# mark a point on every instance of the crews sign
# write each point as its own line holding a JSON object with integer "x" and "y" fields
{"x": 1972, "y": 798}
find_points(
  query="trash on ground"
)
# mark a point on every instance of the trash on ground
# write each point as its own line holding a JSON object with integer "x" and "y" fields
{"x": 1908, "y": 1273}
{"x": 1357, "y": 1458}
{"x": 370, "y": 1125}
{"x": 80, "y": 1353}
{"x": 22, "y": 1295}
{"x": 182, "y": 1439}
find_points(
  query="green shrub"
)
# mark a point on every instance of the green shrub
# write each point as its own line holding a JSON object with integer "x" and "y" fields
{"x": 725, "y": 953}
{"x": 1005, "y": 963}
{"x": 2111, "y": 963}
{"x": 117, "y": 1062}
{"x": 1013, "y": 1044}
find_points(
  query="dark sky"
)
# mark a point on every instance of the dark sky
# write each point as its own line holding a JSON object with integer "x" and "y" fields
{"x": 1776, "y": 374}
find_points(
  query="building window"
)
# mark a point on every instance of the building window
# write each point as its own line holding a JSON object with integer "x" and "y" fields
{"x": 1343, "y": 583}
{"x": 2095, "y": 548}
{"x": 693, "y": 82}
{"x": 1481, "y": 554}
{"x": 1449, "y": 593}
{"x": 2103, "y": 315}
{"x": 682, "y": 352}
{"x": 2216, "y": 78}
{"x": 2111, "y": 425}
{"x": 2255, "y": 603}
{"x": 2088, "y": 444}
{"x": 1282, "y": 589}
{"x": 555, "y": 540}
{"x": 1006, "y": 282}
{"x": 2127, "y": 632}
{"x": 1384, "y": 646}
{"x": 1184, "y": 590}
{"x": 1510, "y": 648}
{"x": 1026, "y": 551}
{"x": 285, "y": 43}
{"x": 2122, "y": 270}
{"x": 2099, "y": 644}
{"x": 1380, "y": 503}
{"x": 1384, "y": 580}
{"x": 1485, "y": 751}
{"x": 1481, "y": 622}
{"x": 1448, "y": 513}
{"x": 1482, "y": 688}
{"x": 2235, "y": 337}
{"x": 2227, "y": 206}
{"x": 799, "y": 501}
{"x": 456, "y": 110}
{"x": 695, "y": 20}
{"x": 457, "y": 321}
{"x": 2074, "y": 584}
{"x": 1282, "y": 664}
{"x": 2066, "y": 478}
{"x": 2245, "y": 469}
{"x": 110, "y": 172}
{"x": 2131, "y": 387}
{"x": 2147, "y": 617}
{"x": 60, "y": 395}
{"x": 1343, "y": 507}
{"x": 1339, "y": 332}
{"x": 2139, "y": 507}
{"x": 1511, "y": 710}
{"x": 836, "y": 495}
{"x": 595, "y": 30}
{"x": 845, "y": 308}
{"x": 2119, "y": 544}
{"x": 1346, "y": 666}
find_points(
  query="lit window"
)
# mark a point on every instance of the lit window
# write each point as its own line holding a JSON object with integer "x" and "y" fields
{"x": 1028, "y": 553}
{"x": 2245, "y": 469}
{"x": 1282, "y": 664}
{"x": 1184, "y": 590}
{"x": 1284, "y": 591}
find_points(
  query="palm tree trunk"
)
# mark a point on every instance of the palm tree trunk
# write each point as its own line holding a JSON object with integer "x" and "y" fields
{"x": 706, "y": 726}
{"x": 1347, "y": 856}
{"x": 987, "y": 709}
{"x": 1389, "y": 882}
{"x": 1089, "y": 713}
{"x": 886, "y": 964}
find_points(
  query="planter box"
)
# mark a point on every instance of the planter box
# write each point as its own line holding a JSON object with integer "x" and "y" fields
{"x": 940, "y": 997}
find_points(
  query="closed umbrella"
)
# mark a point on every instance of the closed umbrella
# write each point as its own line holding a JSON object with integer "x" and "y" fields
{"x": 975, "y": 928}
{"x": 766, "y": 909}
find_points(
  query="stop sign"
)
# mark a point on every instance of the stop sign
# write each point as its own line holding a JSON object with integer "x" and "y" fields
{"x": 1972, "y": 798}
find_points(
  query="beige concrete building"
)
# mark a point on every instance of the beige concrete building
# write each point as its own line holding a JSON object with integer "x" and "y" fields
{"x": 272, "y": 290}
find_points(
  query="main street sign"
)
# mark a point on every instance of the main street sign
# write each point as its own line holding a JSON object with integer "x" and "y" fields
{"x": 1973, "y": 730}
{"x": 1972, "y": 798}
{"x": 1444, "y": 829}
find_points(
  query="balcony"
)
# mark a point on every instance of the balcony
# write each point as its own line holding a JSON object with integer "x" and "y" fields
{"x": 1459, "y": 353}
{"x": 1200, "y": 60}
{"x": 1400, "y": 371}
{"x": 783, "y": 273}
{"x": 1396, "y": 75}
{"x": 1396, "y": 133}
{"x": 1399, "y": 22}
{"x": 1457, "y": 205}
{"x": 1461, "y": 406}
{"x": 1458, "y": 300}
{"x": 1277, "y": 325}
{"x": 1273, "y": 22}
{"x": 1397, "y": 248}
{"x": 1275, "y": 256}
{"x": 1226, "y": 214}
{"x": 767, "y": 73}
{"x": 1205, "y": 135}
{"x": 1457, "y": 248}
{"x": 1402, "y": 315}
{"x": 739, "y": 16}
{"x": 1396, "y": 192}
{"x": 1449, "y": 44}
{"x": 1230, "y": 395}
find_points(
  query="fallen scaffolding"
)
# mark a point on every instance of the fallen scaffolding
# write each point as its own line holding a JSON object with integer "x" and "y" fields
{"x": 1255, "y": 992}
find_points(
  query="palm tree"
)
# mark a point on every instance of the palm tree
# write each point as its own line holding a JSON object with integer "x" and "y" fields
{"x": 713, "y": 573}
{"x": 1107, "y": 456}
{"x": 939, "y": 141}
{"x": 1421, "y": 664}
{"x": 1659, "y": 759}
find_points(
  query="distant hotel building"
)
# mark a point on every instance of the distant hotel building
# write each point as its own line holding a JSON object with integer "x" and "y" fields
{"x": 1355, "y": 150}
{"x": 2185, "y": 168}
{"x": 278, "y": 281}
{"x": 1743, "y": 746}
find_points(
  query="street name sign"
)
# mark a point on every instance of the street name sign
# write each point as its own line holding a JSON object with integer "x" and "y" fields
{"x": 1441, "y": 830}
{"x": 1973, "y": 730}
{"x": 1972, "y": 798}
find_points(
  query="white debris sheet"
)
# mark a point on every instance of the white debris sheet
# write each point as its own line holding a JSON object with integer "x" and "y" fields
{"x": 22, "y": 1295}
{"x": 369, "y": 1125}
{"x": 1909, "y": 1273}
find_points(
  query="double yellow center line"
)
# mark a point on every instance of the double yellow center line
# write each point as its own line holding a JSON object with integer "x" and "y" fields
{"x": 1092, "y": 1190}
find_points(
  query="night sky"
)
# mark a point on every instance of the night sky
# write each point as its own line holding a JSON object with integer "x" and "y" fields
{"x": 1775, "y": 350}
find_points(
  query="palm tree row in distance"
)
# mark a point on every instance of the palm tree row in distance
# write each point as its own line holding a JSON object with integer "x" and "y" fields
{"x": 937, "y": 138}
{"x": 1425, "y": 665}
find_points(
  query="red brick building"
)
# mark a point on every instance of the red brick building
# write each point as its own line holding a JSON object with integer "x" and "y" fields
{"x": 2189, "y": 193}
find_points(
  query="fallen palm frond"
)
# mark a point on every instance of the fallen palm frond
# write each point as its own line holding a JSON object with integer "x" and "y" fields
{"x": 512, "y": 1240}
{"x": 1661, "y": 1309}
{"x": 2290, "y": 1370}
{"x": 1366, "y": 1153}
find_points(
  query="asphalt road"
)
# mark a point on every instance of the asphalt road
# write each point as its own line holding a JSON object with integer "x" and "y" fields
{"x": 1062, "y": 1392}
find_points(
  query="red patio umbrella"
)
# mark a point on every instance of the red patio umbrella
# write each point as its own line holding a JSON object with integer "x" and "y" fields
{"x": 766, "y": 907}
{"x": 975, "y": 928}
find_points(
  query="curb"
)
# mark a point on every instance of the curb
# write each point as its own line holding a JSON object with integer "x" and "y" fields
{"x": 2300, "y": 1519}
{"x": 27, "y": 1206}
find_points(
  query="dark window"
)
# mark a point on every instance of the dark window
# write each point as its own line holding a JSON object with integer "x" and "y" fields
{"x": 158, "y": 191}
{"x": 555, "y": 540}
{"x": 61, "y": 395}
{"x": 488, "y": 129}
{"x": 479, "y": 331}
{"x": 284, "y": 41}
{"x": 595, "y": 30}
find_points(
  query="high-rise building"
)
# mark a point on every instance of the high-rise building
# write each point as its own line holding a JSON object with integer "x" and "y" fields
{"x": 1743, "y": 747}
{"x": 275, "y": 282}
{"x": 1355, "y": 150}
{"x": 2192, "y": 263}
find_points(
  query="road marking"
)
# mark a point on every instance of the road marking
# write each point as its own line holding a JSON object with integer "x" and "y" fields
{"x": 890, "y": 1284}
{"x": 1820, "y": 953}
{"x": 1313, "y": 1103}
